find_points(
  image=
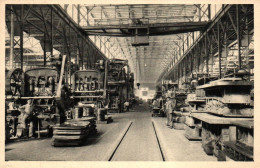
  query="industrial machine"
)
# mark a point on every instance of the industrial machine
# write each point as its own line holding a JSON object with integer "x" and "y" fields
{"x": 120, "y": 84}
{"x": 89, "y": 92}
{"x": 36, "y": 100}
{"x": 13, "y": 89}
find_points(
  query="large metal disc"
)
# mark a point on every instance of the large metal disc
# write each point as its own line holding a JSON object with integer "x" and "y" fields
{"x": 13, "y": 82}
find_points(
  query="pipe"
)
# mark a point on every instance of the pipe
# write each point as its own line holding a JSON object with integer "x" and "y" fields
{"x": 58, "y": 95}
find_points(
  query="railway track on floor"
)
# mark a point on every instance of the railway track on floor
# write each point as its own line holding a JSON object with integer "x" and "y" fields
{"x": 113, "y": 153}
{"x": 158, "y": 142}
{"x": 124, "y": 137}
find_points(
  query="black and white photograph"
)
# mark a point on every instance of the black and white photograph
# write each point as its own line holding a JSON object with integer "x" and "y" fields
{"x": 125, "y": 81}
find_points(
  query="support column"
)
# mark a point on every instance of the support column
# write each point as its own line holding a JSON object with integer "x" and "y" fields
{"x": 238, "y": 36}
{"x": 70, "y": 56}
{"x": 191, "y": 61}
{"x": 77, "y": 60}
{"x": 219, "y": 50}
{"x": 21, "y": 35}
{"x": 247, "y": 47}
{"x": 11, "y": 59}
{"x": 78, "y": 14}
{"x": 199, "y": 13}
{"x": 44, "y": 50}
{"x": 206, "y": 54}
{"x": 211, "y": 56}
{"x": 184, "y": 69}
{"x": 198, "y": 60}
{"x": 182, "y": 49}
{"x": 82, "y": 54}
{"x": 178, "y": 74}
{"x": 51, "y": 32}
{"x": 202, "y": 55}
{"x": 226, "y": 51}
{"x": 209, "y": 11}
{"x": 100, "y": 44}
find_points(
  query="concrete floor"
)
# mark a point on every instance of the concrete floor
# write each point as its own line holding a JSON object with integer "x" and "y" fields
{"x": 139, "y": 144}
{"x": 176, "y": 147}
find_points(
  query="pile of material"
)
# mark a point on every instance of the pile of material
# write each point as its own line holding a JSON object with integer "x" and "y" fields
{"x": 179, "y": 120}
{"x": 73, "y": 132}
{"x": 181, "y": 111}
{"x": 192, "y": 128}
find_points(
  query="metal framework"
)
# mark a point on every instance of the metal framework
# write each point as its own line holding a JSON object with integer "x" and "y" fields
{"x": 121, "y": 21}
{"x": 55, "y": 30}
{"x": 227, "y": 44}
{"x": 83, "y": 32}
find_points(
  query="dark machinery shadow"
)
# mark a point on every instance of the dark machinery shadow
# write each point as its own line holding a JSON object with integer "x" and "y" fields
{"x": 92, "y": 139}
{"x": 8, "y": 149}
{"x": 88, "y": 141}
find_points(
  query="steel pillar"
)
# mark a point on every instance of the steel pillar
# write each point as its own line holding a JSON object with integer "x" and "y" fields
{"x": 69, "y": 60}
{"x": 21, "y": 34}
{"x": 78, "y": 16}
{"x": 11, "y": 59}
{"x": 82, "y": 54}
{"x": 51, "y": 32}
{"x": 226, "y": 50}
{"x": 209, "y": 11}
{"x": 212, "y": 56}
{"x": 206, "y": 54}
{"x": 44, "y": 50}
{"x": 219, "y": 50}
{"x": 247, "y": 47}
{"x": 238, "y": 36}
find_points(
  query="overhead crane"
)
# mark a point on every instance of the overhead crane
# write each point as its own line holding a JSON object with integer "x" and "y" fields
{"x": 141, "y": 25}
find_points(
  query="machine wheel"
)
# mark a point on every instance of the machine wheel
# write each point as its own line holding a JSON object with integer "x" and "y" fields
{"x": 13, "y": 83}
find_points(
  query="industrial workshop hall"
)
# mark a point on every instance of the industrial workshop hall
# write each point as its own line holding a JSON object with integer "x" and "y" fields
{"x": 129, "y": 82}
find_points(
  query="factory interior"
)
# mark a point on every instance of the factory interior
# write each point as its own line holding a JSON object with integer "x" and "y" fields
{"x": 129, "y": 82}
